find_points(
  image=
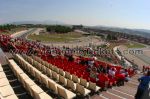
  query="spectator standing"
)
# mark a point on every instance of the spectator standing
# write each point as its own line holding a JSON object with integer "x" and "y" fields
{"x": 144, "y": 82}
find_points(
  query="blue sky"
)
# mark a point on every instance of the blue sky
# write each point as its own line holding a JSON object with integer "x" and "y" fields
{"x": 118, "y": 13}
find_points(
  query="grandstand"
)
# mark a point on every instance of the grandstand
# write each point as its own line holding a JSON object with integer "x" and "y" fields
{"x": 30, "y": 71}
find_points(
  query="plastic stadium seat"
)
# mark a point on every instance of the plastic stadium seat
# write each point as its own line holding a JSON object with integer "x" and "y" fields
{"x": 103, "y": 81}
{"x": 83, "y": 91}
{"x": 28, "y": 67}
{"x": 32, "y": 71}
{"x": 43, "y": 62}
{"x": 51, "y": 67}
{"x": 68, "y": 75}
{"x": 38, "y": 75}
{"x": 56, "y": 69}
{"x": 61, "y": 72}
{"x": 93, "y": 80}
{"x": 49, "y": 73}
{"x": 43, "y": 95}
{"x": 43, "y": 69}
{"x": 71, "y": 84}
{"x": 38, "y": 66}
{"x": 31, "y": 61}
{"x": 55, "y": 76}
{"x": 35, "y": 91}
{"x": 44, "y": 80}
{"x": 93, "y": 87}
{"x": 62, "y": 80}
{"x": 18, "y": 71}
{"x": 64, "y": 93}
{"x": 52, "y": 86}
{"x": 83, "y": 82}
{"x": 47, "y": 64}
{"x": 75, "y": 79}
{"x": 27, "y": 83}
{"x": 22, "y": 77}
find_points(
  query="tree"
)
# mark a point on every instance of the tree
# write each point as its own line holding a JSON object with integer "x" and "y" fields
{"x": 111, "y": 37}
{"x": 59, "y": 29}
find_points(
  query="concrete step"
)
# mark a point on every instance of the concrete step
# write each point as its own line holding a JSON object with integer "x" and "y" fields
{"x": 122, "y": 94}
{"x": 126, "y": 89}
{"x": 111, "y": 95}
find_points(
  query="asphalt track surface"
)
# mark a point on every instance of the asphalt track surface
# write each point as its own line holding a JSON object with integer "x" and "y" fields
{"x": 24, "y": 34}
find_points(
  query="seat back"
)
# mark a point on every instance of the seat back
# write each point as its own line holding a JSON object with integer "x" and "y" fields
{"x": 49, "y": 73}
{"x": 67, "y": 75}
{"x": 92, "y": 86}
{"x": 70, "y": 84}
{"x": 83, "y": 82}
{"x": 51, "y": 67}
{"x": 43, "y": 62}
{"x": 43, "y": 69}
{"x": 61, "y": 72}
{"x": 47, "y": 64}
{"x": 32, "y": 71}
{"x": 39, "y": 66}
{"x": 56, "y": 69}
{"x": 62, "y": 80}
{"x": 80, "y": 89}
{"x": 44, "y": 80}
{"x": 75, "y": 79}
{"x": 38, "y": 76}
{"x": 55, "y": 76}
{"x": 52, "y": 86}
{"x": 62, "y": 92}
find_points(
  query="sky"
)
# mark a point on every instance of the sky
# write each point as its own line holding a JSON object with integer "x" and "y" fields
{"x": 117, "y": 13}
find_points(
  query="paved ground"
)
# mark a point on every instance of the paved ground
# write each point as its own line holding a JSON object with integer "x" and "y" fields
{"x": 131, "y": 57}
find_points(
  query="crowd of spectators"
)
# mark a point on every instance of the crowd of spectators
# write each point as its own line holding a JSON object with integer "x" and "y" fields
{"x": 98, "y": 71}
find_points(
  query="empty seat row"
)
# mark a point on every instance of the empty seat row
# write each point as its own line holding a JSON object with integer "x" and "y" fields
{"x": 56, "y": 88}
{"x": 74, "y": 78}
{"x": 6, "y": 91}
{"x": 33, "y": 89}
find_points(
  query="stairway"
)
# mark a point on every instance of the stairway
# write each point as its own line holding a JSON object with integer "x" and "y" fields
{"x": 15, "y": 84}
{"x": 122, "y": 92}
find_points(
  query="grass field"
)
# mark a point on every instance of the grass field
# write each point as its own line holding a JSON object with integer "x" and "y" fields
{"x": 134, "y": 45}
{"x": 55, "y": 37}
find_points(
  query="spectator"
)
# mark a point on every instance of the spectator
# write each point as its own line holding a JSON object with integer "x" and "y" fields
{"x": 70, "y": 58}
{"x": 103, "y": 80}
{"x": 144, "y": 82}
{"x": 127, "y": 78}
{"x": 93, "y": 74}
{"x": 125, "y": 73}
{"x": 143, "y": 70}
{"x": 91, "y": 63}
{"x": 11, "y": 45}
{"x": 120, "y": 79}
{"x": 100, "y": 69}
{"x": 112, "y": 72}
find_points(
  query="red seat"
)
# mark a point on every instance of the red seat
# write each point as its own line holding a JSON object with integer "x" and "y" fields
{"x": 103, "y": 80}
